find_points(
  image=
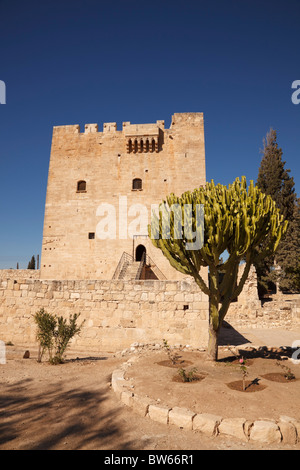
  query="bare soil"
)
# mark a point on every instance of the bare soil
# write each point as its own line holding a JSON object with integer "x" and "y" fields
{"x": 71, "y": 406}
{"x": 220, "y": 391}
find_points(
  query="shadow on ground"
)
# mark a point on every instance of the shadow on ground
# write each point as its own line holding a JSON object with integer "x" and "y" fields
{"x": 59, "y": 418}
{"x": 229, "y": 336}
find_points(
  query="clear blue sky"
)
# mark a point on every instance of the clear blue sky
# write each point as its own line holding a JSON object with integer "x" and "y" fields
{"x": 86, "y": 61}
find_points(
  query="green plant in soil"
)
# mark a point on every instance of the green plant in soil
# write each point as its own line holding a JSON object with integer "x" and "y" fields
{"x": 172, "y": 356}
{"x": 244, "y": 371}
{"x": 288, "y": 373}
{"x": 188, "y": 376}
{"x": 54, "y": 334}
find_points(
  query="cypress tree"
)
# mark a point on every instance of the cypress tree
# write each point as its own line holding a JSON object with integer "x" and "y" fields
{"x": 288, "y": 258}
{"x": 273, "y": 177}
{"x": 275, "y": 180}
{"x": 31, "y": 264}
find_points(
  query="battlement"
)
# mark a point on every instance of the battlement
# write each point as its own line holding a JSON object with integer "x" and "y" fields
{"x": 186, "y": 119}
{"x": 134, "y": 130}
{"x": 70, "y": 129}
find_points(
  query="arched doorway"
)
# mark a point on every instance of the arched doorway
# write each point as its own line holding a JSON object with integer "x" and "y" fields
{"x": 139, "y": 251}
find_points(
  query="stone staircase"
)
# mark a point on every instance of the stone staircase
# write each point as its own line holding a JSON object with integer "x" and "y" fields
{"x": 127, "y": 269}
{"x": 130, "y": 271}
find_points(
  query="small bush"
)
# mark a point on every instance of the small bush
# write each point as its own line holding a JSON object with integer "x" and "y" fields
{"x": 188, "y": 376}
{"x": 288, "y": 373}
{"x": 172, "y": 356}
{"x": 54, "y": 334}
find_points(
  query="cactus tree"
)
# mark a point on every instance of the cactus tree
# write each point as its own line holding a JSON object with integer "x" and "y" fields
{"x": 237, "y": 220}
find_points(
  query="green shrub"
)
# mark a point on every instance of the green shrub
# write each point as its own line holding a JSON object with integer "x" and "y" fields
{"x": 188, "y": 376}
{"x": 54, "y": 334}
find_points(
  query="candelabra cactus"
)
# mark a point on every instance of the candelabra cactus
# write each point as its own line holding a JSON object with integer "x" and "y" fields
{"x": 236, "y": 219}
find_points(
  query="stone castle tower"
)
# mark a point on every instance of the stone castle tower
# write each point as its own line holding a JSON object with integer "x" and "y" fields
{"x": 102, "y": 185}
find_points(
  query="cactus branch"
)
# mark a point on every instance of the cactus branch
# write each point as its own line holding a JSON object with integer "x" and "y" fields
{"x": 237, "y": 219}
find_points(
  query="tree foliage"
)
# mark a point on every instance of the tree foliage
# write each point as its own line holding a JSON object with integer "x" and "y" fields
{"x": 288, "y": 256}
{"x": 236, "y": 220}
{"x": 54, "y": 334}
{"x": 275, "y": 180}
{"x": 31, "y": 264}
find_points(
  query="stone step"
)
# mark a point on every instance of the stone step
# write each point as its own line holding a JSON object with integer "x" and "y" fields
{"x": 131, "y": 271}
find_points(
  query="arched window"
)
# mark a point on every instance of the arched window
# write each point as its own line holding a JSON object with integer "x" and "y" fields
{"x": 81, "y": 186}
{"x": 137, "y": 184}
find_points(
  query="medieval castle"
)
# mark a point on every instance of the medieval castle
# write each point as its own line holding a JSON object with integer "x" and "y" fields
{"x": 96, "y": 252}
{"x": 100, "y": 184}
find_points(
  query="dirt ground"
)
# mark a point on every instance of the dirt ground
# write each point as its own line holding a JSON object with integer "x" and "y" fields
{"x": 71, "y": 406}
{"x": 263, "y": 398}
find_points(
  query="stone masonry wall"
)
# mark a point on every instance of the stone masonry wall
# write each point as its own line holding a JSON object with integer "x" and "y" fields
{"x": 250, "y": 312}
{"x": 19, "y": 274}
{"x": 119, "y": 313}
{"x": 116, "y": 313}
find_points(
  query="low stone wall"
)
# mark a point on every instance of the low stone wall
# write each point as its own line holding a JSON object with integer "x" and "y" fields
{"x": 119, "y": 313}
{"x": 19, "y": 274}
{"x": 273, "y": 314}
{"x": 116, "y": 313}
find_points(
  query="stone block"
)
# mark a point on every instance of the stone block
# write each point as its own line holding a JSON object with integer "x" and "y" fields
{"x": 141, "y": 404}
{"x": 118, "y": 381}
{"x": 265, "y": 431}
{"x": 233, "y": 427}
{"x": 171, "y": 287}
{"x": 206, "y": 423}
{"x": 288, "y": 432}
{"x": 126, "y": 398}
{"x": 22, "y": 286}
{"x": 159, "y": 413}
{"x": 75, "y": 295}
{"x": 181, "y": 417}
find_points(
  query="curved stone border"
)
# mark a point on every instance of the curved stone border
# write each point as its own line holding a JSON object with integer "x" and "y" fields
{"x": 285, "y": 430}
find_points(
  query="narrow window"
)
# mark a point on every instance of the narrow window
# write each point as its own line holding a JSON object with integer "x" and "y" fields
{"x": 136, "y": 184}
{"x": 91, "y": 235}
{"x": 81, "y": 186}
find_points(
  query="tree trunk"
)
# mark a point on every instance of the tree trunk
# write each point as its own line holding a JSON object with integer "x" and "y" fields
{"x": 214, "y": 325}
{"x": 212, "y": 350}
{"x": 216, "y": 315}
